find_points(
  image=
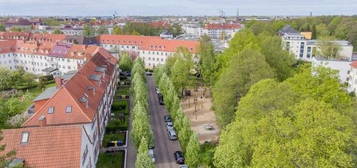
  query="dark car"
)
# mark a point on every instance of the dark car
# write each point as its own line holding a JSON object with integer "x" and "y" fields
{"x": 161, "y": 99}
{"x": 179, "y": 157}
{"x": 167, "y": 118}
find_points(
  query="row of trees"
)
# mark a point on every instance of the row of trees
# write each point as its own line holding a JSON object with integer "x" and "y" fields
{"x": 132, "y": 28}
{"x": 249, "y": 59}
{"x": 307, "y": 120}
{"x": 90, "y": 31}
{"x": 188, "y": 139}
{"x": 125, "y": 63}
{"x": 141, "y": 128}
{"x": 332, "y": 27}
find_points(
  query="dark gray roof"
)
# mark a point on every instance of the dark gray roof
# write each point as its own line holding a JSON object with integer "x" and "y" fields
{"x": 49, "y": 69}
{"x": 68, "y": 75}
{"x": 94, "y": 77}
{"x": 48, "y": 93}
{"x": 288, "y": 29}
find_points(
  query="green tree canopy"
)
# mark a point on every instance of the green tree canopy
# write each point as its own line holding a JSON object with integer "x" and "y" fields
{"x": 143, "y": 159}
{"x": 57, "y": 31}
{"x": 193, "y": 152}
{"x": 296, "y": 123}
{"x": 125, "y": 62}
{"x": 207, "y": 60}
{"x": 117, "y": 30}
{"x": 245, "y": 69}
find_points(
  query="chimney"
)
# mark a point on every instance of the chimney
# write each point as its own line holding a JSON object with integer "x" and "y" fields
{"x": 59, "y": 82}
{"x": 43, "y": 121}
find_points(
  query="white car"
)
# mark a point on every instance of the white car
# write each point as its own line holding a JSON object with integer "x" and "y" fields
{"x": 157, "y": 90}
{"x": 151, "y": 154}
{"x": 183, "y": 166}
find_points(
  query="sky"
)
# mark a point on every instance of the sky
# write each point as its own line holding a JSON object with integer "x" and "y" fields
{"x": 177, "y": 7}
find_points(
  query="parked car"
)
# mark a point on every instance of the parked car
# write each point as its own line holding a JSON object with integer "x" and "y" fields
{"x": 172, "y": 134}
{"x": 179, "y": 157}
{"x": 148, "y": 73}
{"x": 167, "y": 118}
{"x": 169, "y": 128}
{"x": 152, "y": 155}
{"x": 161, "y": 99}
{"x": 170, "y": 124}
{"x": 183, "y": 166}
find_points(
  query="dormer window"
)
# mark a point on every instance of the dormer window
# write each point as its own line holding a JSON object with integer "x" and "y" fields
{"x": 68, "y": 109}
{"x": 25, "y": 137}
{"x": 51, "y": 110}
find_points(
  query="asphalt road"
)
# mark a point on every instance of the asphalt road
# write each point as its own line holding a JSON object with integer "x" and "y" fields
{"x": 164, "y": 148}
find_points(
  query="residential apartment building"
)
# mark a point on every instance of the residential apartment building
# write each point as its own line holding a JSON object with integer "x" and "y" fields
{"x": 222, "y": 31}
{"x": 219, "y": 31}
{"x": 305, "y": 49}
{"x": 68, "y": 125}
{"x": 352, "y": 78}
{"x": 152, "y": 49}
{"x": 43, "y": 58}
{"x": 308, "y": 50}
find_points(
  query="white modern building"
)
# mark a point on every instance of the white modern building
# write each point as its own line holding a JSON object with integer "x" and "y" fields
{"x": 308, "y": 50}
{"x": 304, "y": 49}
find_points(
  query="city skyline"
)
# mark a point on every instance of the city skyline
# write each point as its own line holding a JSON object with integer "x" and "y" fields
{"x": 177, "y": 8}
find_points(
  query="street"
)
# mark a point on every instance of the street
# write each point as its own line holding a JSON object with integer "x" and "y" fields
{"x": 164, "y": 148}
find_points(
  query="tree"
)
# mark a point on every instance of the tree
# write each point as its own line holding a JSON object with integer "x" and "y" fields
{"x": 207, "y": 59}
{"x": 241, "y": 40}
{"x": 57, "y": 31}
{"x": 275, "y": 127}
{"x": 328, "y": 49}
{"x": 2, "y": 27}
{"x": 4, "y": 156}
{"x": 125, "y": 63}
{"x": 101, "y": 30}
{"x": 245, "y": 69}
{"x": 16, "y": 29}
{"x": 141, "y": 127}
{"x": 143, "y": 159}
{"x": 181, "y": 70}
{"x": 88, "y": 30}
{"x": 117, "y": 30}
{"x": 280, "y": 60}
{"x": 193, "y": 152}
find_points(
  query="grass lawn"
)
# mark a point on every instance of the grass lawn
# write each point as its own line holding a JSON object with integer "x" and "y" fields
{"x": 111, "y": 160}
{"x": 120, "y": 106}
{"x": 117, "y": 125}
{"x": 122, "y": 91}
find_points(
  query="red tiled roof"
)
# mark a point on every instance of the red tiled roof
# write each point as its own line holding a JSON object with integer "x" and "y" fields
{"x": 47, "y": 147}
{"x": 32, "y": 36}
{"x": 7, "y": 46}
{"x": 70, "y": 93}
{"x": 354, "y": 64}
{"x": 45, "y": 48}
{"x": 151, "y": 43}
{"x": 222, "y": 26}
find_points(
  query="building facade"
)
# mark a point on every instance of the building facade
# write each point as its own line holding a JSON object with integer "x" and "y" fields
{"x": 152, "y": 49}
{"x": 42, "y": 58}
{"x": 306, "y": 49}
{"x": 352, "y": 78}
{"x": 76, "y": 111}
